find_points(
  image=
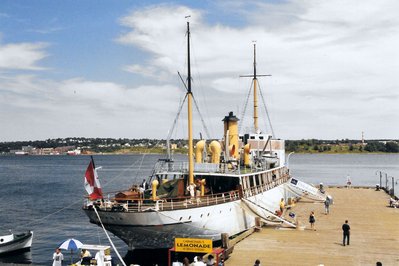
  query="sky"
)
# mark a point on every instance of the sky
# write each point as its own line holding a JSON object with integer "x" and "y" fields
{"x": 110, "y": 68}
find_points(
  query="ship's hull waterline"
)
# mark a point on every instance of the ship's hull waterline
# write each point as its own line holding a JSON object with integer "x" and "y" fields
{"x": 158, "y": 229}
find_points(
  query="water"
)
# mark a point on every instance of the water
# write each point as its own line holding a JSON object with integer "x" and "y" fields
{"x": 45, "y": 193}
{"x": 332, "y": 169}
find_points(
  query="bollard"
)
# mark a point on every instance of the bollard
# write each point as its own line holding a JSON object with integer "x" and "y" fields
{"x": 225, "y": 240}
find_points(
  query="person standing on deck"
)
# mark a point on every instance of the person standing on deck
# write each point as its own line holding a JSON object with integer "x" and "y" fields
{"x": 58, "y": 258}
{"x": 191, "y": 190}
{"x": 327, "y": 206}
{"x": 346, "y": 230}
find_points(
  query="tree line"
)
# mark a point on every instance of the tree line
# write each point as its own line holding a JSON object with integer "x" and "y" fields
{"x": 341, "y": 146}
{"x": 111, "y": 144}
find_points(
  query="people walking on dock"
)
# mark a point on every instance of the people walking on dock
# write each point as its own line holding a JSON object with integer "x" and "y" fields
{"x": 58, "y": 258}
{"x": 312, "y": 220}
{"x": 327, "y": 206}
{"x": 348, "y": 181}
{"x": 282, "y": 205}
{"x": 346, "y": 230}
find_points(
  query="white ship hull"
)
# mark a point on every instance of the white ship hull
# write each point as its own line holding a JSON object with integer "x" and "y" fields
{"x": 157, "y": 229}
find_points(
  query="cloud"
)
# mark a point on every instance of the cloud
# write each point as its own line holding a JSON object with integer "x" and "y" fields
{"x": 333, "y": 66}
{"x": 47, "y": 30}
{"x": 22, "y": 56}
{"x": 324, "y": 56}
{"x": 79, "y": 107}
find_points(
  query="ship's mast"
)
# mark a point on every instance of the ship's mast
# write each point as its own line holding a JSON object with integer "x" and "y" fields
{"x": 255, "y": 82}
{"x": 190, "y": 114}
{"x": 255, "y": 94}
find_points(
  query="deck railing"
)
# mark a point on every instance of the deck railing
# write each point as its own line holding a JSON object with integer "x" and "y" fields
{"x": 224, "y": 168}
{"x": 165, "y": 204}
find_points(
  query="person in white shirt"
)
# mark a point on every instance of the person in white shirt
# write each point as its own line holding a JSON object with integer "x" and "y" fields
{"x": 58, "y": 258}
{"x": 348, "y": 181}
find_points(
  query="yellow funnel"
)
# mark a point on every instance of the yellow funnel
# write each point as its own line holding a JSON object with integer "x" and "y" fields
{"x": 231, "y": 125}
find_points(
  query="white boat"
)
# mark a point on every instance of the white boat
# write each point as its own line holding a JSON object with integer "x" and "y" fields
{"x": 101, "y": 255}
{"x": 16, "y": 242}
{"x": 238, "y": 179}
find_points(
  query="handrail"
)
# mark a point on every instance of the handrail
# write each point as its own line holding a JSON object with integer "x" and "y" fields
{"x": 187, "y": 202}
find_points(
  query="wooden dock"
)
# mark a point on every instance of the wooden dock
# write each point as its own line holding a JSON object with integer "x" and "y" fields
{"x": 374, "y": 234}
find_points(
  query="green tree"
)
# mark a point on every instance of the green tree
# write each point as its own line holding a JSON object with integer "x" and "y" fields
{"x": 391, "y": 147}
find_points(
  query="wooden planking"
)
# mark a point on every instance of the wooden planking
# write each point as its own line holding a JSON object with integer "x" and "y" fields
{"x": 374, "y": 234}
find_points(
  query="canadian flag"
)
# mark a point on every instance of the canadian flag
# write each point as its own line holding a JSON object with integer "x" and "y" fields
{"x": 92, "y": 183}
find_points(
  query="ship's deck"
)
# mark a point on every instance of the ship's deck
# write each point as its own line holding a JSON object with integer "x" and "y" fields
{"x": 374, "y": 234}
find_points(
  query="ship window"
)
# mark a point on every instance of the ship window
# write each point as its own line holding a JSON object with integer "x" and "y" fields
{"x": 260, "y": 137}
{"x": 252, "y": 137}
{"x": 189, "y": 217}
{"x": 180, "y": 218}
{"x": 1, "y": 240}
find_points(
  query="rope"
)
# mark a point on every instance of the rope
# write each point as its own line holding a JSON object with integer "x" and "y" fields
{"x": 176, "y": 118}
{"x": 72, "y": 204}
{"x": 109, "y": 239}
{"x": 45, "y": 217}
{"x": 245, "y": 108}
{"x": 256, "y": 214}
{"x": 271, "y": 213}
{"x": 267, "y": 112}
{"x": 202, "y": 119}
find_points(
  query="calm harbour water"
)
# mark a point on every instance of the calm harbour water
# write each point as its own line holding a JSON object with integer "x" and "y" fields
{"x": 45, "y": 193}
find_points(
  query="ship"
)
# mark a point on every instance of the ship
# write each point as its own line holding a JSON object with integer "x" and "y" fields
{"x": 221, "y": 189}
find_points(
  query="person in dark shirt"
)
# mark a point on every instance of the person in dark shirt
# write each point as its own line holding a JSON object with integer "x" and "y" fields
{"x": 346, "y": 228}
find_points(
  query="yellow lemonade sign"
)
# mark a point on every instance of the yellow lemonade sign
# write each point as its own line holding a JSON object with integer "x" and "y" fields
{"x": 193, "y": 245}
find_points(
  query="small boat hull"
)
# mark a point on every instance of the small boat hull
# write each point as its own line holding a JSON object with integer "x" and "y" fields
{"x": 13, "y": 243}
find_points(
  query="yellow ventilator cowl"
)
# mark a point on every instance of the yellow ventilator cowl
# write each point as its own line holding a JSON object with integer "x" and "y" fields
{"x": 247, "y": 157}
{"x": 199, "y": 149}
{"x": 215, "y": 149}
{"x": 154, "y": 189}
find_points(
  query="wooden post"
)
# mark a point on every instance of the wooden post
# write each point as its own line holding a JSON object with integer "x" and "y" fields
{"x": 225, "y": 241}
{"x": 258, "y": 224}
